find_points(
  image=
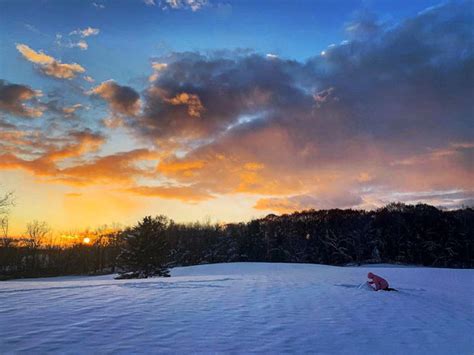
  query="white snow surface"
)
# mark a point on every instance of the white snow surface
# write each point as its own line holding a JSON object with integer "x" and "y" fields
{"x": 243, "y": 308}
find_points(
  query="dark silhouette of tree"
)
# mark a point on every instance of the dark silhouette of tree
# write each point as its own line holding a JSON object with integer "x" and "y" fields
{"x": 36, "y": 232}
{"x": 397, "y": 233}
{"x": 145, "y": 251}
{"x": 6, "y": 202}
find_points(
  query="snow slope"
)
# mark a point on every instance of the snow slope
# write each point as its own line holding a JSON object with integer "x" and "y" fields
{"x": 241, "y": 308}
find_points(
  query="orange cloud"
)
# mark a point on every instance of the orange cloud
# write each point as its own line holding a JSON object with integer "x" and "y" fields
{"x": 48, "y": 65}
{"x": 187, "y": 168}
{"x": 39, "y": 167}
{"x": 195, "y": 107}
{"x": 50, "y": 150}
{"x": 119, "y": 168}
{"x": 122, "y": 99}
{"x": 85, "y": 142}
{"x": 73, "y": 194}
{"x": 183, "y": 193}
{"x": 281, "y": 205}
{"x": 157, "y": 68}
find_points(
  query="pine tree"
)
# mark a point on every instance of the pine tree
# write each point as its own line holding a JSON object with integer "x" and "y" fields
{"x": 145, "y": 252}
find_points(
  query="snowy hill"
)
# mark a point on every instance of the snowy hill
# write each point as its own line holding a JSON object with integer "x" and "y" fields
{"x": 242, "y": 307}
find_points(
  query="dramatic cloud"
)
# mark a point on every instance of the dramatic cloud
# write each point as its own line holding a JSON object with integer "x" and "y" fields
{"x": 14, "y": 96}
{"x": 389, "y": 111}
{"x": 122, "y": 99}
{"x": 383, "y": 116}
{"x": 48, "y": 65}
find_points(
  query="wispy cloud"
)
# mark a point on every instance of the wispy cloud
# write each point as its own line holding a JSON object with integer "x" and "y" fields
{"x": 193, "y": 5}
{"x": 86, "y": 32}
{"x": 48, "y": 65}
{"x": 98, "y": 5}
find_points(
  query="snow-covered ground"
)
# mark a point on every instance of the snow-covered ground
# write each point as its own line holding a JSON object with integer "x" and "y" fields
{"x": 241, "y": 308}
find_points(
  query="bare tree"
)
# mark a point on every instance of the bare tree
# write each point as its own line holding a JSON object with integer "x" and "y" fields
{"x": 4, "y": 225}
{"x": 6, "y": 202}
{"x": 36, "y": 232}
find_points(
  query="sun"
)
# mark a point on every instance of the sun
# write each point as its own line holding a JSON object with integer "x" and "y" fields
{"x": 86, "y": 240}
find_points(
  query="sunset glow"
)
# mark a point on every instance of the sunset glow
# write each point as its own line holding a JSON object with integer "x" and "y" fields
{"x": 231, "y": 110}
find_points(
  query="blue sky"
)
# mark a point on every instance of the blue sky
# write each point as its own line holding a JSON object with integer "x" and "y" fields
{"x": 132, "y": 32}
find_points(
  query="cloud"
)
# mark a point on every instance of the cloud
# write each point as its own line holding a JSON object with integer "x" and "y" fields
{"x": 120, "y": 168}
{"x": 13, "y": 98}
{"x": 193, "y": 5}
{"x": 192, "y": 102}
{"x": 98, "y": 6}
{"x": 48, "y": 65}
{"x": 385, "y": 112}
{"x": 385, "y": 115}
{"x": 81, "y": 45}
{"x": 67, "y": 160}
{"x": 39, "y": 155}
{"x": 73, "y": 194}
{"x": 79, "y": 143}
{"x": 86, "y": 32}
{"x": 304, "y": 202}
{"x": 190, "y": 194}
{"x": 157, "y": 67}
{"x": 69, "y": 111}
{"x": 74, "y": 42}
{"x": 363, "y": 25}
{"x": 122, "y": 99}
{"x": 4, "y": 124}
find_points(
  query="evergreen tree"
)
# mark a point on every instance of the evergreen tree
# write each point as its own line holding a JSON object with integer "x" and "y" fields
{"x": 145, "y": 252}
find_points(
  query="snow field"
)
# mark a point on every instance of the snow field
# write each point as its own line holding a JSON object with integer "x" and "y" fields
{"x": 242, "y": 308}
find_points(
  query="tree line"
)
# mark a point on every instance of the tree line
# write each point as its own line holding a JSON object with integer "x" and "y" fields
{"x": 397, "y": 233}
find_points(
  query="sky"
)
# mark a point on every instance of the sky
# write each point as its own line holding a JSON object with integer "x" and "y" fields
{"x": 231, "y": 110}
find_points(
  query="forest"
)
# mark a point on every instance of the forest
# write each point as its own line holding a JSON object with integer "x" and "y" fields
{"x": 397, "y": 233}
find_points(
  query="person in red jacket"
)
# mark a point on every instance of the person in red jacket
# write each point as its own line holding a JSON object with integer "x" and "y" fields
{"x": 378, "y": 282}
